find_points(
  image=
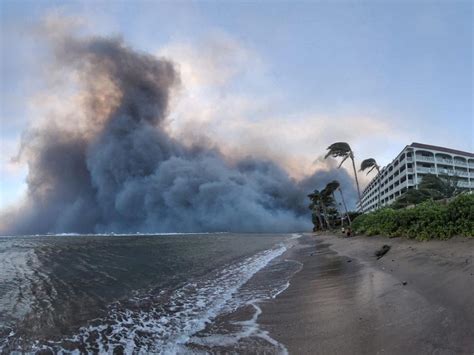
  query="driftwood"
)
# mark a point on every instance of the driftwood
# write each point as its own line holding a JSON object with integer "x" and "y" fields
{"x": 382, "y": 251}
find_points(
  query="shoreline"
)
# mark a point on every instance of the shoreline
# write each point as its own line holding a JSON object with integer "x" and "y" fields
{"x": 418, "y": 298}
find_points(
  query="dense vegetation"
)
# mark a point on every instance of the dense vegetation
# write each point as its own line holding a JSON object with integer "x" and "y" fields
{"x": 427, "y": 220}
{"x": 432, "y": 187}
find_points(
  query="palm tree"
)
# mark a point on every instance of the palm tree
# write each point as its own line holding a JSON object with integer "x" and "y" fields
{"x": 371, "y": 164}
{"x": 343, "y": 150}
{"x": 315, "y": 206}
{"x": 329, "y": 189}
{"x": 325, "y": 200}
{"x": 335, "y": 185}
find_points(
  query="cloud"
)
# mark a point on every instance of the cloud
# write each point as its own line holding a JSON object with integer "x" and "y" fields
{"x": 211, "y": 61}
{"x": 211, "y": 106}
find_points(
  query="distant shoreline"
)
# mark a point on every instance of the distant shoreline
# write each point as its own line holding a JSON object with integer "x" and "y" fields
{"x": 417, "y": 298}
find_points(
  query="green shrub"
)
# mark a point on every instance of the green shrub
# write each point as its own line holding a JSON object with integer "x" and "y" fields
{"x": 428, "y": 220}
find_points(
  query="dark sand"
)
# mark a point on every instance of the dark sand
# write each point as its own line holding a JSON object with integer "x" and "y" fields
{"x": 345, "y": 301}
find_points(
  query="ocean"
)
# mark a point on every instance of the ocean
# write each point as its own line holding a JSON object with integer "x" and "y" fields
{"x": 165, "y": 294}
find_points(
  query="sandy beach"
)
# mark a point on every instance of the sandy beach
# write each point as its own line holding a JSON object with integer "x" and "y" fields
{"x": 417, "y": 299}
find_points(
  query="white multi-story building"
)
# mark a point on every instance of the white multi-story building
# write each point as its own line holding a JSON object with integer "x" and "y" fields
{"x": 407, "y": 170}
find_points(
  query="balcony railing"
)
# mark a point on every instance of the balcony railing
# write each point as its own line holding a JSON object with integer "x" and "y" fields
{"x": 461, "y": 173}
{"x": 444, "y": 161}
{"x": 460, "y": 162}
{"x": 464, "y": 184}
{"x": 426, "y": 170}
{"x": 424, "y": 158}
{"x": 446, "y": 171}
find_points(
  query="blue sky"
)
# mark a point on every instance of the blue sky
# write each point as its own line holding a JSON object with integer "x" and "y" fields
{"x": 378, "y": 74}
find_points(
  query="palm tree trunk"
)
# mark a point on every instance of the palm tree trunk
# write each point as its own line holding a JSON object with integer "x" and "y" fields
{"x": 318, "y": 214}
{"x": 345, "y": 207}
{"x": 337, "y": 207}
{"x": 326, "y": 214}
{"x": 357, "y": 182}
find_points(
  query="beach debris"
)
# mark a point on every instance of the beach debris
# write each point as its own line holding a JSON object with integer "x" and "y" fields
{"x": 382, "y": 251}
{"x": 404, "y": 283}
{"x": 349, "y": 261}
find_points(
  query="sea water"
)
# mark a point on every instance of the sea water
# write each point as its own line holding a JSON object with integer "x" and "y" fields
{"x": 139, "y": 293}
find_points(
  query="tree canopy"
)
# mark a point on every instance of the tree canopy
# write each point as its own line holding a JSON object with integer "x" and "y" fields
{"x": 432, "y": 187}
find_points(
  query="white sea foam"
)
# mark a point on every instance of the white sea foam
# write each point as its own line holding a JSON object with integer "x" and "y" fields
{"x": 296, "y": 235}
{"x": 250, "y": 328}
{"x": 166, "y": 329}
{"x": 111, "y": 234}
{"x": 167, "y": 322}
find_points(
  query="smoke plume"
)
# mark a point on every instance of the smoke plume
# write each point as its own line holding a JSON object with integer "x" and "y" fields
{"x": 111, "y": 166}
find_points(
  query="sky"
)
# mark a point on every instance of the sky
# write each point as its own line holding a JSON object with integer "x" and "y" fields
{"x": 280, "y": 80}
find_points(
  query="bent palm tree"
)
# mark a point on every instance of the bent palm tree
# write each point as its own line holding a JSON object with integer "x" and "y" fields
{"x": 343, "y": 150}
{"x": 335, "y": 185}
{"x": 371, "y": 164}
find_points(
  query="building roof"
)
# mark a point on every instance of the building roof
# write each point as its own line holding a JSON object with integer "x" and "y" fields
{"x": 441, "y": 149}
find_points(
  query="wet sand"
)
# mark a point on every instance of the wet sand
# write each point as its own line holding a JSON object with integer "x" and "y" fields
{"x": 417, "y": 299}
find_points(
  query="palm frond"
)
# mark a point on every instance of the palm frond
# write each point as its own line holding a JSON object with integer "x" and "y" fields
{"x": 343, "y": 160}
{"x": 314, "y": 196}
{"x": 338, "y": 149}
{"x": 371, "y": 169}
{"x": 367, "y": 163}
{"x": 370, "y": 164}
{"x": 333, "y": 185}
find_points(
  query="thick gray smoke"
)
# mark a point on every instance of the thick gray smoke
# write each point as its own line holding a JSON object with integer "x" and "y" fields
{"x": 116, "y": 169}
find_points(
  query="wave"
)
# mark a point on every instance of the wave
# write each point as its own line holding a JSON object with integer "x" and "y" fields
{"x": 111, "y": 234}
{"x": 164, "y": 322}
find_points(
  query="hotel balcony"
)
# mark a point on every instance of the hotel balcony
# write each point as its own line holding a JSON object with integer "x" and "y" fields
{"x": 461, "y": 173}
{"x": 444, "y": 161}
{"x": 424, "y": 158}
{"x": 446, "y": 171}
{"x": 465, "y": 184}
{"x": 426, "y": 170}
